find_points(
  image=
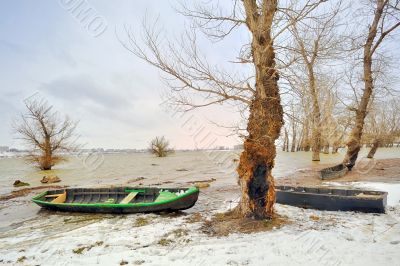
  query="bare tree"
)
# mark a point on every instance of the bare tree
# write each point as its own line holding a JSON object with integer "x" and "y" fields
{"x": 316, "y": 41}
{"x": 194, "y": 82}
{"x": 385, "y": 19}
{"x": 160, "y": 147}
{"x": 305, "y": 139}
{"x": 382, "y": 125}
{"x": 46, "y": 133}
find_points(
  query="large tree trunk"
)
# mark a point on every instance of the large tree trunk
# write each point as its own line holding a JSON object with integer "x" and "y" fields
{"x": 265, "y": 120}
{"x": 354, "y": 142}
{"x": 372, "y": 151}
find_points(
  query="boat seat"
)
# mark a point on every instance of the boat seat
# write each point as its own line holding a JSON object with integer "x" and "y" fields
{"x": 52, "y": 195}
{"x": 165, "y": 195}
{"x": 128, "y": 198}
{"x": 59, "y": 198}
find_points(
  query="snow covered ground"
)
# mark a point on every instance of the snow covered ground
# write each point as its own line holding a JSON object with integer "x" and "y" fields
{"x": 30, "y": 236}
{"x": 313, "y": 238}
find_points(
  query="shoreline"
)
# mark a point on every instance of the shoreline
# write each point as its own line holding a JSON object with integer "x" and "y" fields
{"x": 377, "y": 170}
{"x": 383, "y": 170}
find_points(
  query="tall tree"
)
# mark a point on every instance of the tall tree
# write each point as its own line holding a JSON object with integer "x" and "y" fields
{"x": 190, "y": 75}
{"x": 316, "y": 41}
{"x": 385, "y": 20}
{"x": 46, "y": 133}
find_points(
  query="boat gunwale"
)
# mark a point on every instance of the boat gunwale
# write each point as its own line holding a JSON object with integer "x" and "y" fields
{"x": 189, "y": 192}
{"x": 332, "y": 172}
{"x": 379, "y": 195}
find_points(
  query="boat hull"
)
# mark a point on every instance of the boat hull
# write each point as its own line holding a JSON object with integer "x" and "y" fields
{"x": 336, "y": 171}
{"x": 93, "y": 200}
{"x": 331, "y": 199}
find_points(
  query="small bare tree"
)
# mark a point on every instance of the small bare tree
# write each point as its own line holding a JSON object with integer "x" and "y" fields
{"x": 159, "y": 146}
{"x": 46, "y": 133}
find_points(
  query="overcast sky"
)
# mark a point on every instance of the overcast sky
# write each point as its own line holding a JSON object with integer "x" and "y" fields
{"x": 50, "y": 50}
{"x": 83, "y": 71}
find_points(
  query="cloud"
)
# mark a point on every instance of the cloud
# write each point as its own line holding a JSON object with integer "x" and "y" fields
{"x": 113, "y": 94}
{"x": 83, "y": 88}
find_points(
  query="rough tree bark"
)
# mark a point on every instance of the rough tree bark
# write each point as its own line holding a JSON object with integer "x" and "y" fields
{"x": 371, "y": 44}
{"x": 266, "y": 117}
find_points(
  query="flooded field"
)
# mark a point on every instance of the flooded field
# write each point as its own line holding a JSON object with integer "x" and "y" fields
{"x": 179, "y": 168}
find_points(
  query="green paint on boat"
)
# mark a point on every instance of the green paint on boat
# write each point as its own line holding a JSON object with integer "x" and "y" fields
{"x": 165, "y": 196}
{"x": 135, "y": 190}
{"x": 145, "y": 199}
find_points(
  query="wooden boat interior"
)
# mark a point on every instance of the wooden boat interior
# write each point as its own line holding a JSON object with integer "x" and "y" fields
{"x": 111, "y": 195}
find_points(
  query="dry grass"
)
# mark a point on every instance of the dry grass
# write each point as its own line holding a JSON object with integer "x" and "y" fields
{"x": 123, "y": 262}
{"x": 19, "y": 183}
{"x": 177, "y": 233}
{"x": 206, "y": 180}
{"x": 165, "y": 242}
{"x": 141, "y": 222}
{"x": 80, "y": 250}
{"x": 223, "y": 224}
{"x": 194, "y": 218}
{"x": 21, "y": 259}
{"x": 202, "y": 184}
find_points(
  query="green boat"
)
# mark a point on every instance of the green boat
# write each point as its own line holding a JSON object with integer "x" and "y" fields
{"x": 118, "y": 199}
